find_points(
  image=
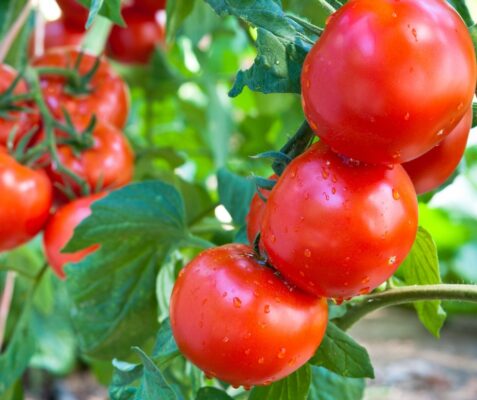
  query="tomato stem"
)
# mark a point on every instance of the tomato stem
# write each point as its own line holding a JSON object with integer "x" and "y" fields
{"x": 404, "y": 295}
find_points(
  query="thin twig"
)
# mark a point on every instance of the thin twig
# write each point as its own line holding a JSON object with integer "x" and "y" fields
{"x": 14, "y": 30}
{"x": 5, "y": 303}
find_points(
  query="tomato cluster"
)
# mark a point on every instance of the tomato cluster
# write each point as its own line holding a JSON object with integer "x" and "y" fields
{"x": 88, "y": 104}
{"x": 133, "y": 44}
{"x": 388, "y": 83}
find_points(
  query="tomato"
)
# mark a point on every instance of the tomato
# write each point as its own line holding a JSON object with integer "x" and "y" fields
{"x": 74, "y": 13}
{"x": 58, "y": 33}
{"x": 337, "y": 229}
{"x": 388, "y": 80}
{"x": 107, "y": 96}
{"x": 22, "y": 121}
{"x": 25, "y": 201}
{"x": 240, "y": 322}
{"x": 256, "y": 211}
{"x": 136, "y": 43}
{"x": 149, "y": 5}
{"x": 432, "y": 169}
{"x": 108, "y": 164}
{"x": 60, "y": 229}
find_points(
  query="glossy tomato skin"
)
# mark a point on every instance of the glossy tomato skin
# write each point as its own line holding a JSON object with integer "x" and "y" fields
{"x": 150, "y": 6}
{"x": 337, "y": 229}
{"x": 60, "y": 229}
{"x": 388, "y": 80}
{"x": 108, "y": 98}
{"x": 432, "y": 169}
{"x": 135, "y": 43}
{"x": 256, "y": 211}
{"x": 58, "y": 33}
{"x": 20, "y": 120}
{"x": 109, "y": 164}
{"x": 25, "y": 201}
{"x": 240, "y": 322}
{"x": 74, "y": 14}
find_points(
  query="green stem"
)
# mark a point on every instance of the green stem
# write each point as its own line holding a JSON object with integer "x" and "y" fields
{"x": 403, "y": 295}
{"x": 70, "y": 74}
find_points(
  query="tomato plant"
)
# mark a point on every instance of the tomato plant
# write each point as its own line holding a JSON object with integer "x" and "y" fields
{"x": 240, "y": 313}
{"x": 367, "y": 101}
{"x": 59, "y": 231}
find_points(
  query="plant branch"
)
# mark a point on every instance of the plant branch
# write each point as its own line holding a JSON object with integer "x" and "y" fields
{"x": 5, "y": 303}
{"x": 403, "y": 295}
{"x": 14, "y": 30}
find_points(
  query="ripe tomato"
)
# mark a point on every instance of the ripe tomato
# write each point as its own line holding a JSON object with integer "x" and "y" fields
{"x": 150, "y": 6}
{"x": 388, "y": 79}
{"x": 74, "y": 13}
{"x": 58, "y": 33}
{"x": 20, "y": 120}
{"x": 337, "y": 229}
{"x": 136, "y": 43}
{"x": 107, "y": 98}
{"x": 25, "y": 201}
{"x": 255, "y": 214}
{"x": 432, "y": 169}
{"x": 108, "y": 164}
{"x": 60, "y": 229}
{"x": 240, "y": 322}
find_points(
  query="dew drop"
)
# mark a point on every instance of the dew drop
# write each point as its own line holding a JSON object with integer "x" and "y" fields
{"x": 261, "y": 360}
{"x": 334, "y": 179}
{"x": 392, "y": 260}
{"x": 307, "y": 253}
{"x": 237, "y": 302}
{"x": 302, "y": 274}
{"x": 313, "y": 125}
{"x": 460, "y": 106}
{"x": 407, "y": 116}
{"x": 333, "y": 190}
{"x": 292, "y": 361}
{"x": 293, "y": 174}
{"x": 267, "y": 383}
{"x": 324, "y": 173}
{"x": 396, "y": 195}
{"x": 282, "y": 352}
{"x": 273, "y": 238}
{"x": 307, "y": 83}
{"x": 256, "y": 293}
{"x": 247, "y": 352}
{"x": 394, "y": 14}
{"x": 248, "y": 335}
{"x": 266, "y": 309}
{"x": 364, "y": 291}
{"x": 365, "y": 280}
{"x": 441, "y": 132}
{"x": 225, "y": 339}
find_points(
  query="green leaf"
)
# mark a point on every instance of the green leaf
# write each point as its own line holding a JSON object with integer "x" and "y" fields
{"x": 340, "y": 354}
{"x": 110, "y": 9}
{"x": 474, "y": 106}
{"x": 295, "y": 386}
{"x": 165, "y": 348}
{"x": 113, "y": 290}
{"x": 177, "y": 12}
{"x": 325, "y": 385}
{"x": 9, "y": 10}
{"x": 421, "y": 267}
{"x": 209, "y": 393}
{"x": 14, "y": 360}
{"x": 282, "y": 45}
{"x": 154, "y": 385}
{"x": 235, "y": 193}
{"x": 462, "y": 8}
{"x": 124, "y": 376}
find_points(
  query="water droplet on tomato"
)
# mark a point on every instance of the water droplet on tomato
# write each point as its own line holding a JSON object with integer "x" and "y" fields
{"x": 441, "y": 132}
{"x": 407, "y": 116}
{"x": 365, "y": 280}
{"x": 333, "y": 190}
{"x": 266, "y": 309}
{"x": 247, "y": 352}
{"x": 324, "y": 173}
{"x": 307, "y": 253}
{"x": 392, "y": 260}
{"x": 237, "y": 302}
{"x": 364, "y": 291}
{"x": 396, "y": 195}
{"x": 225, "y": 339}
{"x": 261, "y": 360}
{"x": 273, "y": 238}
{"x": 282, "y": 352}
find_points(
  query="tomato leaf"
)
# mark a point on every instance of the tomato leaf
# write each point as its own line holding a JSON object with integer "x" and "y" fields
{"x": 282, "y": 45}
{"x": 325, "y": 385}
{"x": 14, "y": 360}
{"x": 421, "y": 267}
{"x": 110, "y": 9}
{"x": 166, "y": 347}
{"x": 340, "y": 354}
{"x": 113, "y": 290}
{"x": 296, "y": 386}
{"x": 235, "y": 194}
{"x": 124, "y": 376}
{"x": 209, "y": 393}
{"x": 177, "y": 12}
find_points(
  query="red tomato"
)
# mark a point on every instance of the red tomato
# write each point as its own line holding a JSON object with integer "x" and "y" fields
{"x": 432, "y": 169}
{"x": 240, "y": 322}
{"x": 108, "y": 98}
{"x": 109, "y": 164}
{"x": 337, "y": 229}
{"x": 60, "y": 229}
{"x": 74, "y": 13}
{"x": 388, "y": 79}
{"x": 136, "y": 43}
{"x": 255, "y": 214}
{"x": 58, "y": 33}
{"x": 25, "y": 201}
{"x": 149, "y": 5}
{"x": 20, "y": 120}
